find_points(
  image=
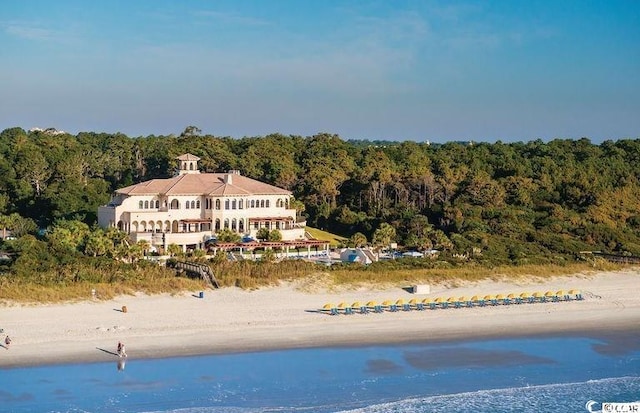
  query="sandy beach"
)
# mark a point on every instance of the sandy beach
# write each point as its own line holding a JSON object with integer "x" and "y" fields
{"x": 287, "y": 316}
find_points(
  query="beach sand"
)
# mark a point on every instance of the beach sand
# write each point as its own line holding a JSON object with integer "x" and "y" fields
{"x": 287, "y": 316}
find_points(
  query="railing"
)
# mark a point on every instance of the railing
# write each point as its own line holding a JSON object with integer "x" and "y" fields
{"x": 200, "y": 270}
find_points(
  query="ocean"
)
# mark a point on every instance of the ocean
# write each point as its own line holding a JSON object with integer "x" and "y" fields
{"x": 541, "y": 374}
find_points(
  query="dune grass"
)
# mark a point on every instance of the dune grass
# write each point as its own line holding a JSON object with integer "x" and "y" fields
{"x": 460, "y": 275}
{"x": 150, "y": 279}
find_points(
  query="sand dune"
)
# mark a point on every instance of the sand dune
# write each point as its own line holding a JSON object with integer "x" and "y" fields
{"x": 230, "y": 319}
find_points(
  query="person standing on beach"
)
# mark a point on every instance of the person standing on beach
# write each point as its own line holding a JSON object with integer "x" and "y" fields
{"x": 7, "y": 342}
{"x": 121, "y": 351}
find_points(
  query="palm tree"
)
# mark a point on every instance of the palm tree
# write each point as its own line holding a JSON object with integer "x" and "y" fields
{"x": 384, "y": 236}
{"x": 358, "y": 240}
{"x": 144, "y": 246}
{"x": 174, "y": 249}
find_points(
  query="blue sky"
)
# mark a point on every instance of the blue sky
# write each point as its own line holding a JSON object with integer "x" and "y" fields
{"x": 404, "y": 70}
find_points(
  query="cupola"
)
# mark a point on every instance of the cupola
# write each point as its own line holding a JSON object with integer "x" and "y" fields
{"x": 188, "y": 164}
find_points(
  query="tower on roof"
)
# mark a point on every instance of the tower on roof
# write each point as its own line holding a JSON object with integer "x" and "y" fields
{"x": 188, "y": 164}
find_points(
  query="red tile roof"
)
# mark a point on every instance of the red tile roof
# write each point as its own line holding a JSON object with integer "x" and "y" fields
{"x": 213, "y": 184}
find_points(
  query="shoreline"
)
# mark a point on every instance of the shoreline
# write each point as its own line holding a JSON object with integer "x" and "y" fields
{"x": 231, "y": 320}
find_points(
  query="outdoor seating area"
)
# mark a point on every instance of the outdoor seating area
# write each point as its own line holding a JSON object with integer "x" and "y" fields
{"x": 451, "y": 302}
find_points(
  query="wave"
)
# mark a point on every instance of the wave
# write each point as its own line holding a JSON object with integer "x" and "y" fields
{"x": 538, "y": 398}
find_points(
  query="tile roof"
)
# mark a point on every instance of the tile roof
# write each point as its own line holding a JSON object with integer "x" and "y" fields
{"x": 213, "y": 184}
{"x": 188, "y": 157}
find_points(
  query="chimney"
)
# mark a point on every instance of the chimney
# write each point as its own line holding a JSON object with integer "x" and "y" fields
{"x": 228, "y": 177}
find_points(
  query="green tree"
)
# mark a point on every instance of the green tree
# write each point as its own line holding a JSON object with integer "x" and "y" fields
{"x": 358, "y": 240}
{"x": 263, "y": 234}
{"x": 226, "y": 235}
{"x": 384, "y": 236}
{"x": 275, "y": 235}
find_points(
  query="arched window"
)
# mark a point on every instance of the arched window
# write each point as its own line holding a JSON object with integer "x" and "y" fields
{"x": 140, "y": 205}
{"x": 266, "y": 203}
{"x": 146, "y": 204}
{"x": 241, "y": 204}
{"x": 217, "y": 204}
{"x": 191, "y": 166}
{"x": 217, "y": 224}
{"x": 234, "y": 204}
{"x": 186, "y": 205}
{"x": 286, "y": 203}
{"x": 198, "y": 204}
{"x": 193, "y": 204}
{"x": 175, "y": 204}
{"x": 253, "y": 203}
{"x": 233, "y": 224}
{"x": 157, "y": 204}
{"x": 241, "y": 225}
{"x": 262, "y": 203}
{"x": 226, "y": 204}
{"x": 226, "y": 223}
{"x": 278, "y": 203}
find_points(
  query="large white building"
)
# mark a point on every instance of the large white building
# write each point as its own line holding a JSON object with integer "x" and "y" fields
{"x": 191, "y": 207}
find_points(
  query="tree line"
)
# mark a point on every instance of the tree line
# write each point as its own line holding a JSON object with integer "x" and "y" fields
{"x": 518, "y": 203}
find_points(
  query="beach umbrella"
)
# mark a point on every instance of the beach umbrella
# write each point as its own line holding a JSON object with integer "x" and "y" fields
{"x": 371, "y": 304}
{"x": 549, "y": 294}
{"x": 427, "y": 301}
{"x": 511, "y": 296}
{"x": 488, "y": 297}
{"x": 463, "y": 298}
{"x": 343, "y": 305}
{"x": 577, "y": 294}
{"x": 451, "y": 300}
{"x": 327, "y": 306}
{"x": 387, "y": 303}
{"x": 559, "y": 293}
{"x": 537, "y": 294}
{"x": 400, "y": 302}
{"x": 439, "y": 300}
{"x": 413, "y": 301}
{"x": 356, "y": 304}
{"x": 499, "y": 297}
{"x": 524, "y": 295}
{"x": 475, "y": 298}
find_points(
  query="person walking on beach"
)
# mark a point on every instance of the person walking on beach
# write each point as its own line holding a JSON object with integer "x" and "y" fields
{"x": 121, "y": 351}
{"x": 7, "y": 342}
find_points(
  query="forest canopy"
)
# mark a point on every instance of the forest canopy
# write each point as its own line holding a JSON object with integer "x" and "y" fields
{"x": 506, "y": 202}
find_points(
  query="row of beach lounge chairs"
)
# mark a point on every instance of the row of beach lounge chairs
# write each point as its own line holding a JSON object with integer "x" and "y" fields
{"x": 451, "y": 302}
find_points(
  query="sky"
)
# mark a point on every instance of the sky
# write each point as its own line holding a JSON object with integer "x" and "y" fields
{"x": 425, "y": 70}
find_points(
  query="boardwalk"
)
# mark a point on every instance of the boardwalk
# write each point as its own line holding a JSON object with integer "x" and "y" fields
{"x": 198, "y": 270}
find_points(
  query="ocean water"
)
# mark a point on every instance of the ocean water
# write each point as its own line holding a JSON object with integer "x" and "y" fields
{"x": 544, "y": 374}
